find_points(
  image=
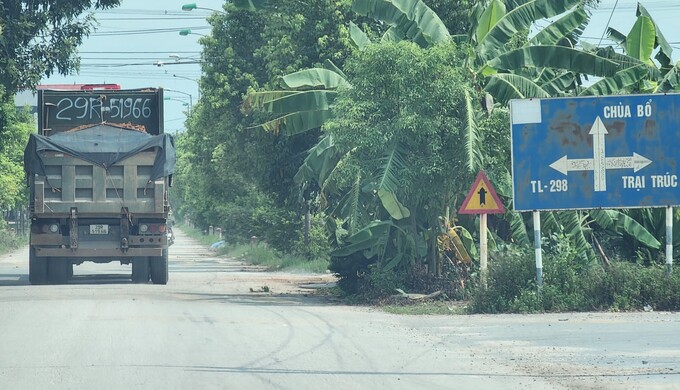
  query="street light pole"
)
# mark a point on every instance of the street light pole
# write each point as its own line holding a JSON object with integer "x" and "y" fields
{"x": 191, "y": 101}
{"x": 195, "y": 81}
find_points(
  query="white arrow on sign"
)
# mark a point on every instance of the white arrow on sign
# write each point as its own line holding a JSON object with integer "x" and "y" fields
{"x": 600, "y": 163}
{"x": 565, "y": 165}
{"x": 598, "y": 131}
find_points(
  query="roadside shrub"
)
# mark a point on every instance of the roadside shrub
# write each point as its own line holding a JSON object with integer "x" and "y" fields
{"x": 511, "y": 271}
{"x": 570, "y": 285}
{"x": 350, "y": 270}
{"x": 362, "y": 279}
{"x": 10, "y": 241}
{"x": 319, "y": 246}
{"x": 277, "y": 226}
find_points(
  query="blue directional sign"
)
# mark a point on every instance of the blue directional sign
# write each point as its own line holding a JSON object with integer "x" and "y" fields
{"x": 595, "y": 152}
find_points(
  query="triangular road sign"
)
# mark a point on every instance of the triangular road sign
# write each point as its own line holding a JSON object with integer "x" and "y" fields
{"x": 482, "y": 198}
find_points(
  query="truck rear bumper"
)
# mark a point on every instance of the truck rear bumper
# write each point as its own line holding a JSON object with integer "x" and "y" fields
{"x": 98, "y": 252}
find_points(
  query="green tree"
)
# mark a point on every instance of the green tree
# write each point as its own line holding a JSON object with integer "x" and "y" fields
{"x": 40, "y": 37}
{"x": 242, "y": 168}
{"x": 399, "y": 129}
{"x": 16, "y": 125}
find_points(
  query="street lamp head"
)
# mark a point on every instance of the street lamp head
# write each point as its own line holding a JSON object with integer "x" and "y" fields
{"x": 184, "y": 32}
{"x": 193, "y": 6}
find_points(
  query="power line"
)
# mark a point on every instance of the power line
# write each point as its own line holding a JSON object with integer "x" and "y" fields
{"x": 147, "y": 31}
{"x": 140, "y": 52}
{"x": 155, "y": 18}
{"x": 153, "y": 12}
{"x": 608, "y": 21}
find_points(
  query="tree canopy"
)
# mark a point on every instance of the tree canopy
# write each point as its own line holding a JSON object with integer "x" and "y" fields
{"x": 41, "y": 37}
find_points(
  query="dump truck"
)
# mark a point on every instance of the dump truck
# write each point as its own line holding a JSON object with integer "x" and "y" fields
{"x": 98, "y": 171}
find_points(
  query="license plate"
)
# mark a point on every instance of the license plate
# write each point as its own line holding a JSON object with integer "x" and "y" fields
{"x": 99, "y": 229}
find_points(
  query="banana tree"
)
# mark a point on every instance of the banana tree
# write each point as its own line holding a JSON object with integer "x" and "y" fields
{"x": 638, "y": 46}
{"x": 303, "y": 102}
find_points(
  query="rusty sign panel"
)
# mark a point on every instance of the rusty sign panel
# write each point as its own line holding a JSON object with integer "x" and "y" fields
{"x": 595, "y": 152}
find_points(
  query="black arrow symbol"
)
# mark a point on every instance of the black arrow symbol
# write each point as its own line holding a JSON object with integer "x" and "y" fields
{"x": 482, "y": 196}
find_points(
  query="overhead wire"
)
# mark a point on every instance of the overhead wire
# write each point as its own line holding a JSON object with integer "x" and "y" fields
{"x": 608, "y": 21}
{"x": 147, "y": 31}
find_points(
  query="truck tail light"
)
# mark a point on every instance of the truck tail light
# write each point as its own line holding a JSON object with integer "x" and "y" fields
{"x": 45, "y": 228}
{"x": 152, "y": 228}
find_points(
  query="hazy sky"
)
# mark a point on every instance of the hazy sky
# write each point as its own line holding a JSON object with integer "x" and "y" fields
{"x": 134, "y": 37}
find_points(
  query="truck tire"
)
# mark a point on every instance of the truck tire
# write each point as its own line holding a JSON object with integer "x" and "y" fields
{"x": 37, "y": 268}
{"x": 159, "y": 269}
{"x": 140, "y": 270}
{"x": 59, "y": 270}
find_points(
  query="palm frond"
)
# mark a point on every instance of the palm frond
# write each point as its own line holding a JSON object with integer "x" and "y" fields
{"x": 473, "y": 145}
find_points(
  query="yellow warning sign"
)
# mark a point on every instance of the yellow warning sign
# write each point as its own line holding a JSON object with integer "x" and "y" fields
{"x": 482, "y": 198}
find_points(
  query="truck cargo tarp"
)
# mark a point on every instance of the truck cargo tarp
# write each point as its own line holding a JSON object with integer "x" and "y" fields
{"x": 102, "y": 145}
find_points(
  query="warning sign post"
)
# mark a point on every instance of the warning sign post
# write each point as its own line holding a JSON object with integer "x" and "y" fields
{"x": 482, "y": 199}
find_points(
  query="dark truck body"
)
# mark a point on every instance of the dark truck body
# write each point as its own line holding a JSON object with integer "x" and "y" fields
{"x": 99, "y": 170}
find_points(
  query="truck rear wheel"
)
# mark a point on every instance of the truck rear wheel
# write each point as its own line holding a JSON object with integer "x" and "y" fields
{"x": 37, "y": 268}
{"x": 140, "y": 270}
{"x": 59, "y": 270}
{"x": 159, "y": 268}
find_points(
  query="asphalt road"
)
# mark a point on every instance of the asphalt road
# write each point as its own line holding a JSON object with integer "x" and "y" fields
{"x": 213, "y": 327}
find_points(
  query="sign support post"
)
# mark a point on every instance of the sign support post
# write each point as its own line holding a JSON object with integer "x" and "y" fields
{"x": 483, "y": 249}
{"x": 669, "y": 240}
{"x": 537, "y": 248}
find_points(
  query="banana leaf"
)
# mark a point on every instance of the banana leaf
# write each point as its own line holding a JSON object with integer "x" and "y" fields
{"x": 520, "y": 18}
{"x": 623, "y": 224}
{"x": 618, "y": 83}
{"x": 314, "y": 78}
{"x": 491, "y": 15}
{"x": 392, "y": 205}
{"x": 292, "y": 102}
{"x": 556, "y": 57}
{"x": 506, "y": 86}
{"x": 296, "y": 122}
{"x": 375, "y": 233}
{"x": 640, "y": 40}
{"x": 413, "y": 17}
{"x": 665, "y": 54}
{"x": 359, "y": 38}
{"x": 562, "y": 28}
{"x": 671, "y": 81}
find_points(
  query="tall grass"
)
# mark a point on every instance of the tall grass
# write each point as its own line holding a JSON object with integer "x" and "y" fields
{"x": 10, "y": 241}
{"x": 273, "y": 260}
{"x": 261, "y": 254}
